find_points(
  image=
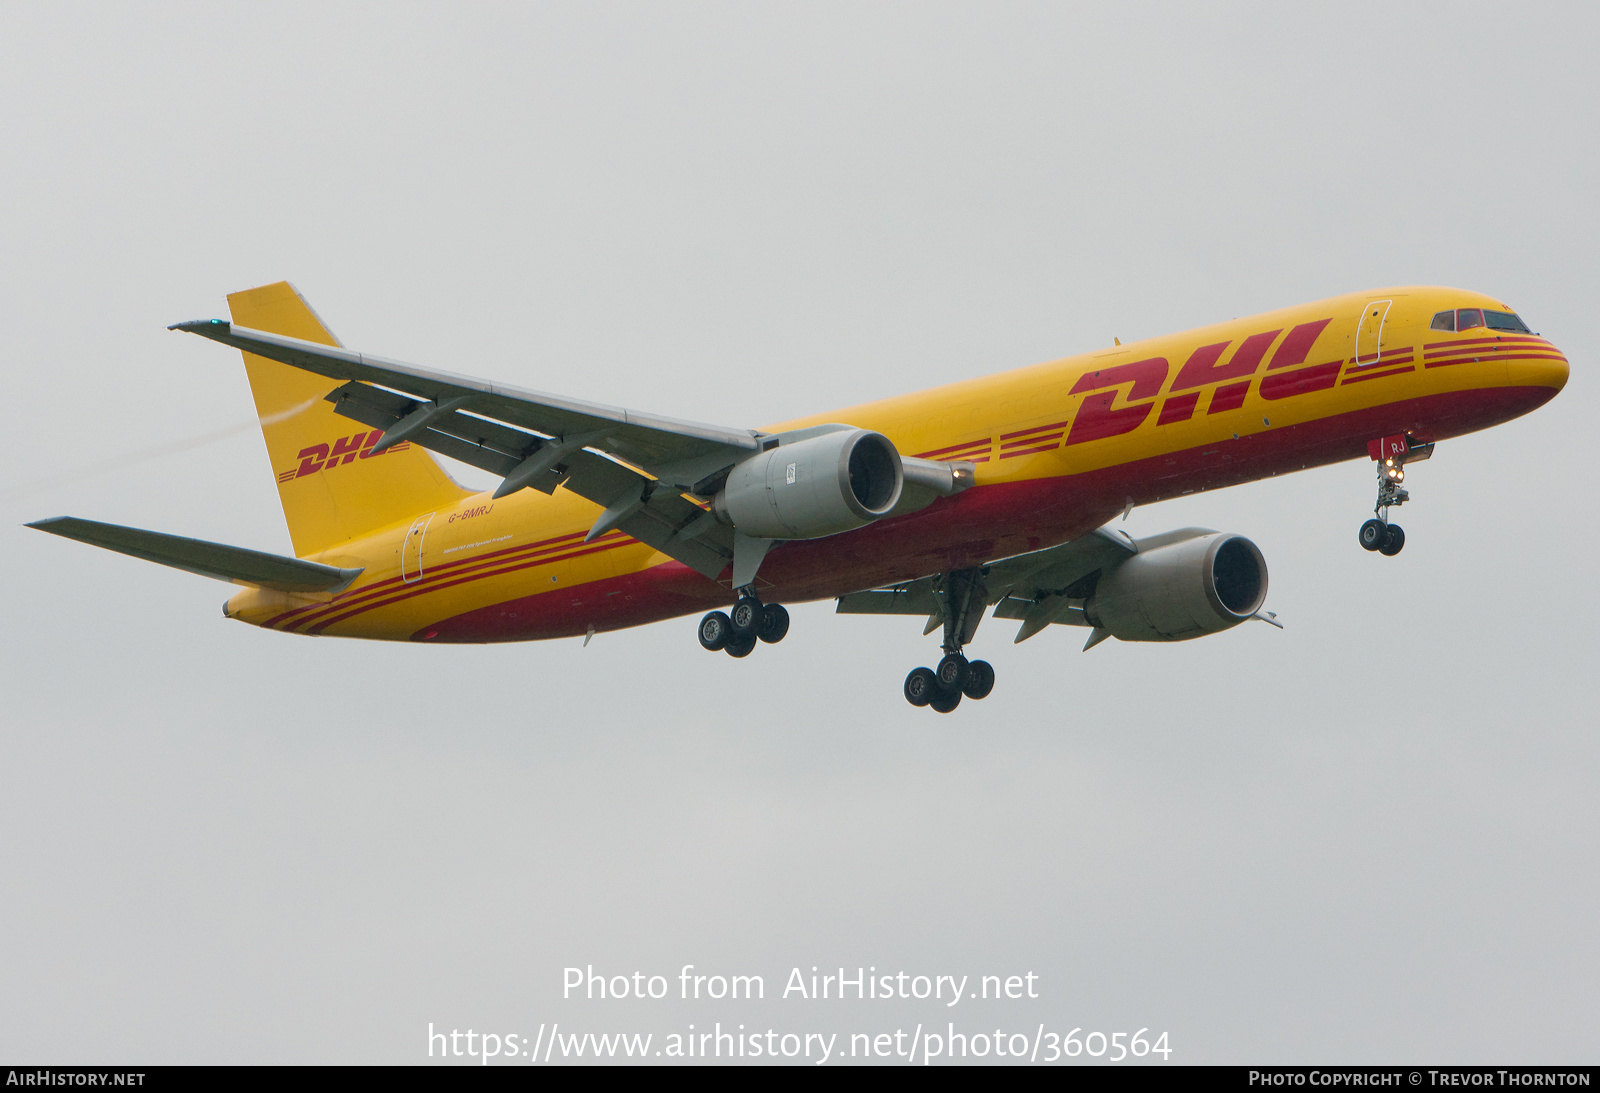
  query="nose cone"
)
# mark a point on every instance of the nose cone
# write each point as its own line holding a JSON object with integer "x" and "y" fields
{"x": 1550, "y": 373}
{"x": 1535, "y": 374}
{"x": 1539, "y": 365}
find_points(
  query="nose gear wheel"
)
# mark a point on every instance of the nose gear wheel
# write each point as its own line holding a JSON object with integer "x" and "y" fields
{"x": 1378, "y": 534}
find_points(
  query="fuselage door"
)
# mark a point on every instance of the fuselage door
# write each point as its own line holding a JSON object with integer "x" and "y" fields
{"x": 411, "y": 549}
{"x": 1369, "y": 332}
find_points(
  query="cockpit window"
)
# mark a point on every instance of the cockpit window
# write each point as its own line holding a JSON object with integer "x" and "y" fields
{"x": 1470, "y": 318}
{"x": 1505, "y": 320}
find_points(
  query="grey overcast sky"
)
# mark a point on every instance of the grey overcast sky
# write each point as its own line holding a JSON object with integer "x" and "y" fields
{"x": 1368, "y": 837}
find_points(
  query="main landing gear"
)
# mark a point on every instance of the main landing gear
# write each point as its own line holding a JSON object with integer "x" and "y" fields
{"x": 942, "y": 687}
{"x": 736, "y": 632}
{"x": 961, "y": 602}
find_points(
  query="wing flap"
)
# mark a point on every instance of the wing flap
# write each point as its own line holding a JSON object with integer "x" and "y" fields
{"x": 217, "y": 560}
{"x": 661, "y": 515}
{"x": 1056, "y": 569}
{"x": 475, "y": 441}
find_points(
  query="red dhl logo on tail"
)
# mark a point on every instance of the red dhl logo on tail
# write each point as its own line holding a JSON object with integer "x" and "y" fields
{"x": 345, "y": 450}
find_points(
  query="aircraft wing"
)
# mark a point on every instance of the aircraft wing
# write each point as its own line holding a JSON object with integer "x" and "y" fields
{"x": 534, "y": 440}
{"x": 225, "y": 563}
{"x": 664, "y": 446}
{"x": 635, "y": 466}
{"x": 1056, "y": 569}
{"x": 1038, "y": 588}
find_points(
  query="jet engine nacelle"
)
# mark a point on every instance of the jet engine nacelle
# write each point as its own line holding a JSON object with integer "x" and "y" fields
{"x": 814, "y": 487}
{"x": 1181, "y": 590}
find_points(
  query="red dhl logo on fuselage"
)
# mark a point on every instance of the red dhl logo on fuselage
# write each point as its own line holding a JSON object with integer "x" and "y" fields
{"x": 1286, "y": 375}
{"x": 1098, "y": 417}
{"x": 345, "y": 450}
{"x": 1205, "y": 367}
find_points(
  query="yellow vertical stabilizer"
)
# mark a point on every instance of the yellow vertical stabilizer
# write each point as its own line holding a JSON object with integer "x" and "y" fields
{"x": 332, "y": 487}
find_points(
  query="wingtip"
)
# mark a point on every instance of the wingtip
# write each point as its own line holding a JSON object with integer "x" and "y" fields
{"x": 203, "y": 326}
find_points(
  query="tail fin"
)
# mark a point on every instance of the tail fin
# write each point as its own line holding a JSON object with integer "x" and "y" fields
{"x": 332, "y": 488}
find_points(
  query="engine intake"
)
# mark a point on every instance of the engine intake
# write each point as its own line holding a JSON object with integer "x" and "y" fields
{"x": 814, "y": 487}
{"x": 1187, "y": 589}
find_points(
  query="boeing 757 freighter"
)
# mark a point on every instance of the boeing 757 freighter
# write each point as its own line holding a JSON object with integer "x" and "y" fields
{"x": 941, "y": 504}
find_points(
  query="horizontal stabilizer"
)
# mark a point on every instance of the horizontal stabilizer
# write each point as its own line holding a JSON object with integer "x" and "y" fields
{"x": 225, "y": 563}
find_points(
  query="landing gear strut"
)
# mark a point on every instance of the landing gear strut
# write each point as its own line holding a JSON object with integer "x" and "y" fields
{"x": 961, "y": 598}
{"x": 736, "y": 632}
{"x": 1391, "y": 453}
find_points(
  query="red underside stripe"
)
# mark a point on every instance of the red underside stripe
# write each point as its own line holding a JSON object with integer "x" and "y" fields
{"x": 1377, "y": 375}
{"x": 1442, "y": 359}
{"x": 438, "y": 573}
{"x": 410, "y": 593}
{"x": 1388, "y": 362}
{"x": 437, "y": 577}
{"x": 1027, "y": 451}
{"x": 1028, "y": 440}
{"x": 1470, "y": 354}
{"x": 949, "y": 453}
{"x": 1511, "y": 340}
{"x": 1036, "y": 429}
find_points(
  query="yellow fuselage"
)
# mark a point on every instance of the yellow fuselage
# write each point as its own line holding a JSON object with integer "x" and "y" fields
{"x": 1059, "y": 448}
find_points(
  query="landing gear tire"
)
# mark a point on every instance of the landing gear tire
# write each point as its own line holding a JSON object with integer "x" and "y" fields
{"x": 1374, "y": 535}
{"x": 921, "y": 686}
{"x": 952, "y": 673}
{"x": 715, "y": 630}
{"x": 774, "y": 623}
{"x": 1394, "y": 542}
{"x": 739, "y": 647}
{"x": 944, "y": 703}
{"x": 746, "y": 617}
{"x": 980, "y": 680}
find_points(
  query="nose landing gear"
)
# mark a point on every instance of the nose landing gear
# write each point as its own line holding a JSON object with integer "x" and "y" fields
{"x": 736, "y": 632}
{"x": 1392, "y": 453}
{"x": 1387, "y": 539}
{"x": 962, "y": 599}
